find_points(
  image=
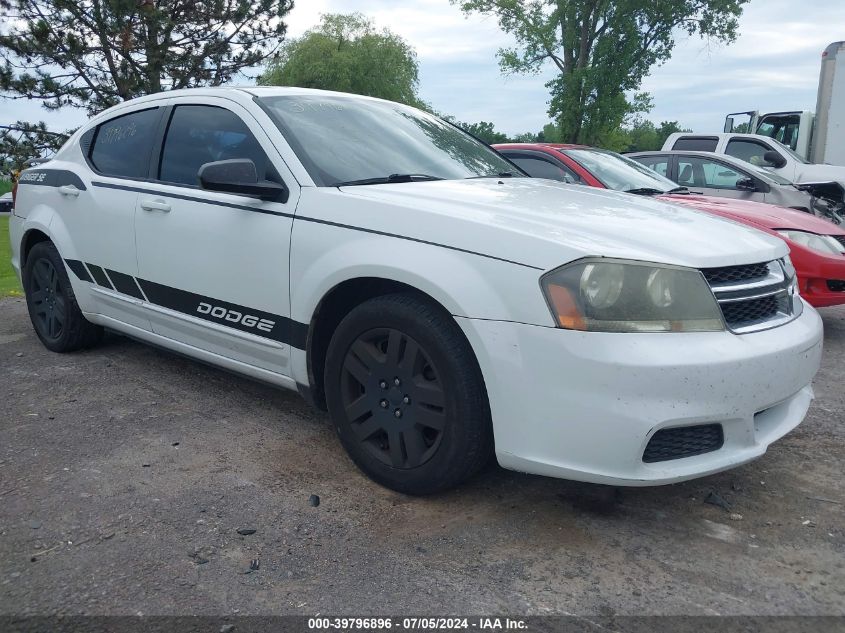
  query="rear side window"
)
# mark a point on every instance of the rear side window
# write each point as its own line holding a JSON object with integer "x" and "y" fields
{"x": 203, "y": 134}
{"x": 696, "y": 143}
{"x": 659, "y": 164}
{"x": 540, "y": 168}
{"x": 122, "y": 146}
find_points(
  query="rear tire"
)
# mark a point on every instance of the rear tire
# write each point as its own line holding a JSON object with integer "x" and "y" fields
{"x": 406, "y": 395}
{"x": 52, "y": 306}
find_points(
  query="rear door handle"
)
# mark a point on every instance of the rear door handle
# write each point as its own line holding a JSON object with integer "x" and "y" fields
{"x": 155, "y": 205}
{"x": 69, "y": 190}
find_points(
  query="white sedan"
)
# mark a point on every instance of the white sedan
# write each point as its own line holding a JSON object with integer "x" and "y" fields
{"x": 439, "y": 304}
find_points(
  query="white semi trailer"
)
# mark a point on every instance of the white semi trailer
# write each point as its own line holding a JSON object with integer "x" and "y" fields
{"x": 817, "y": 136}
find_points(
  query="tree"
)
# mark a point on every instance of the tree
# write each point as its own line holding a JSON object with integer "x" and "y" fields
{"x": 23, "y": 141}
{"x": 345, "y": 52}
{"x": 93, "y": 54}
{"x": 601, "y": 50}
{"x": 484, "y": 131}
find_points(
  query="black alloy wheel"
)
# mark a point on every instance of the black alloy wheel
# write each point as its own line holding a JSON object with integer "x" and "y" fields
{"x": 53, "y": 310}
{"x": 393, "y": 398}
{"x": 49, "y": 308}
{"x": 406, "y": 395}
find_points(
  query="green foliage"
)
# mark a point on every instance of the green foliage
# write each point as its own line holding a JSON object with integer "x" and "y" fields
{"x": 484, "y": 131}
{"x": 93, "y": 54}
{"x": 345, "y": 52}
{"x": 9, "y": 286}
{"x": 602, "y": 50}
{"x": 23, "y": 141}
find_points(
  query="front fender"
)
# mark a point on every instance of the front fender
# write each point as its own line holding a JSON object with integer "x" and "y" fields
{"x": 468, "y": 285}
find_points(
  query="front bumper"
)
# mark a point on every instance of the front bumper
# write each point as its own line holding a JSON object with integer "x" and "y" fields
{"x": 583, "y": 405}
{"x": 814, "y": 272}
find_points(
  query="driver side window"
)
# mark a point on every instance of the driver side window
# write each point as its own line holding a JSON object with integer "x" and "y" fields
{"x": 199, "y": 134}
{"x": 749, "y": 151}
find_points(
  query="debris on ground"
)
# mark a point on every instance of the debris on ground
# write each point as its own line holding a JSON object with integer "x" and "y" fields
{"x": 715, "y": 499}
{"x": 246, "y": 531}
{"x": 314, "y": 501}
{"x": 736, "y": 516}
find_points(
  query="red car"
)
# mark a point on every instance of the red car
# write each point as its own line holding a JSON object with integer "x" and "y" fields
{"x": 817, "y": 247}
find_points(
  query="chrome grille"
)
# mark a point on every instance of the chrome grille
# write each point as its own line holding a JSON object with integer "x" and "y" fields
{"x": 755, "y": 296}
{"x": 733, "y": 274}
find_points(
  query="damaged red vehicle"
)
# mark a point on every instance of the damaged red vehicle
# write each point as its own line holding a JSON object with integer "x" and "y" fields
{"x": 817, "y": 247}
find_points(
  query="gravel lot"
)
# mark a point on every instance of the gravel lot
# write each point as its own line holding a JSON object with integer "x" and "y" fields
{"x": 126, "y": 473}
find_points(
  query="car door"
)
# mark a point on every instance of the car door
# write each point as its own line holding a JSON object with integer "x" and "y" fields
{"x": 214, "y": 265}
{"x": 101, "y": 216}
{"x": 712, "y": 177}
{"x": 539, "y": 165}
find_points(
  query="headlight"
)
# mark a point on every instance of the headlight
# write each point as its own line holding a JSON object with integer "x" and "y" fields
{"x": 611, "y": 295}
{"x": 820, "y": 243}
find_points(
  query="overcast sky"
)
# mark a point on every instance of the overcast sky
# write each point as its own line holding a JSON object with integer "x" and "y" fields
{"x": 774, "y": 65}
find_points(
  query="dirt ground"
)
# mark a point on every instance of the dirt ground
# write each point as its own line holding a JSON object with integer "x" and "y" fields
{"x": 126, "y": 473}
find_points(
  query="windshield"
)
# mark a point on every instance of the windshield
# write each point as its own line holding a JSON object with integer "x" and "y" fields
{"x": 619, "y": 173}
{"x": 789, "y": 151}
{"x": 349, "y": 139}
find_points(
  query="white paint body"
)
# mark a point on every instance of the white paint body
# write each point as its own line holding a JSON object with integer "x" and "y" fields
{"x": 580, "y": 405}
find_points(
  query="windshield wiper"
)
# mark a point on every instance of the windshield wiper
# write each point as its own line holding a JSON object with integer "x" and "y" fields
{"x": 645, "y": 191}
{"x": 678, "y": 190}
{"x": 504, "y": 174}
{"x": 384, "y": 180}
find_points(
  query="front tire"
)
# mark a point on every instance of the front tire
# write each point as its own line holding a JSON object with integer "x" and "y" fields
{"x": 52, "y": 306}
{"x": 406, "y": 395}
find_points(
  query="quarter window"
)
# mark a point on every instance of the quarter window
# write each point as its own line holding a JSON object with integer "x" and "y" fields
{"x": 122, "y": 146}
{"x": 658, "y": 164}
{"x": 200, "y": 134}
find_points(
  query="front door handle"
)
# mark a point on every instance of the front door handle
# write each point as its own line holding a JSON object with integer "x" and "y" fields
{"x": 69, "y": 190}
{"x": 155, "y": 205}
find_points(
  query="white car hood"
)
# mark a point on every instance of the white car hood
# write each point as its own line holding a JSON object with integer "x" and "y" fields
{"x": 546, "y": 224}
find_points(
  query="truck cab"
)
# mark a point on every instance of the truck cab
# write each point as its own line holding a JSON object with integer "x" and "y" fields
{"x": 816, "y": 136}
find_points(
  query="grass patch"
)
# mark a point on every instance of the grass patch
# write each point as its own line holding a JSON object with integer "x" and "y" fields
{"x": 9, "y": 286}
{"x": 5, "y": 187}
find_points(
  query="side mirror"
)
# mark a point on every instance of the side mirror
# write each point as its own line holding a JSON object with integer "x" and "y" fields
{"x": 746, "y": 184}
{"x": 774, "y": 159}
{"x": 240, "y": 176}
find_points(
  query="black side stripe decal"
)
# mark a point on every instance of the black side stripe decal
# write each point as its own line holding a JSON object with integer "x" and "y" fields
{"x": 417, "y": 240}
{"x": 79, "y": 270}
{"x": 99, "y": 275}
{"x": 125, "y": 284}
{"x": 51, "y": 178}
{"x": 257, "y": 322}
{"x": 350, "y": 227}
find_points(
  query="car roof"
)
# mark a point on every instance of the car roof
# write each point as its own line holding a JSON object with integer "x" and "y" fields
{"x": 540, "y": 146}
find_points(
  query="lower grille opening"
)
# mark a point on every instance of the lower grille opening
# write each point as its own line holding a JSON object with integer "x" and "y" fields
{"x": 739, "y": 313}
{"x": 836, "y": 285}
{"x": 684, "y": 441}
